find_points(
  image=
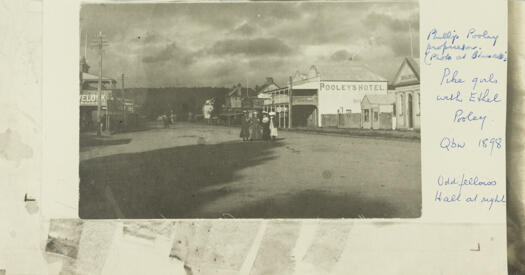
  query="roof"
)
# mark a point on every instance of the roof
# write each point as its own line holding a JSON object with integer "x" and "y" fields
{"x": 346, "y": 72}
{"x": 381, "y": 99}
{"x": 306, "y": 85}
{"x": 88, "y": 76}
{"x": 414, "y": 65}
{"x": 241, "y": 91}
{"x": 269, "y": 82}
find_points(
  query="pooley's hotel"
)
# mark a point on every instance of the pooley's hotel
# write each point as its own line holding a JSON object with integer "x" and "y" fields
{"x": 347, "y": 96}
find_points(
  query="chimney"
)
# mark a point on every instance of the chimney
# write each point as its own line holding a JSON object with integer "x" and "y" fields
{"x": 269, "y": 80}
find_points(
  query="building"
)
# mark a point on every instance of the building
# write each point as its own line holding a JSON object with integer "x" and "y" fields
{"x": 277, "y": 101}
{"x": 323, "y": 93}
{"x": 377, "y": 111}
{"x": 406, "y": 89}
{"x": 236, "y": 100}
{"x": 89, "y": 100}
{"x": 233, "y": 99}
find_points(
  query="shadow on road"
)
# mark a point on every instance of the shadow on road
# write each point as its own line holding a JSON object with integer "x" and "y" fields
{"x": 164, "y": 183}
{"x": 320, "y": 204}
{"x": 91, "y": 140}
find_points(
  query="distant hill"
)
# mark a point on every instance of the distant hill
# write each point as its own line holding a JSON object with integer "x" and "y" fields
{"x": 153, "y": 102}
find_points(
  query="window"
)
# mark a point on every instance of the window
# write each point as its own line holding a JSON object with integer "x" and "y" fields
{"x": 394, "y": 109}
{"x": 418, "y": 104}
{"x": 366, "y": 115}
{"x": 402, "y": 105}
{"x": 376, "y": 116}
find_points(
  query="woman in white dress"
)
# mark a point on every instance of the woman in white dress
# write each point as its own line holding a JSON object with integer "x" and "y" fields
{"x": 273, "y": 126}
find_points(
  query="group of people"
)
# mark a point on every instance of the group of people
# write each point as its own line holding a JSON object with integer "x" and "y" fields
{"x": 168, "y": 119}
{"x": 258, "y": 127}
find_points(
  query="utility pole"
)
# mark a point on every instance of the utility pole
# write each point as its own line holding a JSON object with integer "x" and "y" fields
{"x": 124, "y": 100}
{"x": 85, "y": 45}
{"x": 290, "y": 94}
{"x": 100, "y": 43}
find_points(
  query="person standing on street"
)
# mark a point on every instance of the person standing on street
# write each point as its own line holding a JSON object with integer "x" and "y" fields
{"x": 265, "y": 127}
{"x": 255, "y": 127}
{"x": 173, "y": 117}
{"x": 166, "y": 121}
{"x": 273, "y": 126}
{"x": 245, "y": 126}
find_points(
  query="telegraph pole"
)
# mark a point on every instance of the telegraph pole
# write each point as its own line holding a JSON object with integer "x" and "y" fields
{"x": 99, "y": 97}
{"x": 100, "y": 43}
{"x": 124, "y": 101}
{"x": 290, "y": 99}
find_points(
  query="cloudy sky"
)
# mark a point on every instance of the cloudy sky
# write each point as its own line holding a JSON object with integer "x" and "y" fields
{"x": 220, "y": 44}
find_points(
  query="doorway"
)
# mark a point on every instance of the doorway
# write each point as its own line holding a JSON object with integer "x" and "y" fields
{"x": 410, "y": 112}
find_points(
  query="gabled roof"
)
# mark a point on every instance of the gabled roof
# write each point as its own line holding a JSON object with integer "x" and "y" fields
{"x": 346, "y": 72}
{"x": 241, "y": 91}
{"x": 413, "y": 65}
{"x": 267, "y": 86}
{"x": 381, "y": 99}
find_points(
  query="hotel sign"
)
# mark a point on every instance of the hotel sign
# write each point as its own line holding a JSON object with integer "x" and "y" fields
{"x": 331, "y": 86}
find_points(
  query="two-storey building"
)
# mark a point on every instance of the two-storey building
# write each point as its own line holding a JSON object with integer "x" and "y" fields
{"x": 323, "y": 90}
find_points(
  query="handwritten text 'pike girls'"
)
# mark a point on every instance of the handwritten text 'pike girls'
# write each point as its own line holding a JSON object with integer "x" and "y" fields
{"x": 476, "y": 93}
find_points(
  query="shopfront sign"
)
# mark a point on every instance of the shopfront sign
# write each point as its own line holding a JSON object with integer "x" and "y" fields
{"x": 90, "y": 98}
{"x": 339, "y": 86}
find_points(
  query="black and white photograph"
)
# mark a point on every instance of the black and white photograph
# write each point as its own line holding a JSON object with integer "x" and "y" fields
{"x": 299, "y": 110}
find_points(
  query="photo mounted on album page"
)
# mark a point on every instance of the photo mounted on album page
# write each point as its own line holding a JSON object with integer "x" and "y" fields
{"x": 249, "y": 110}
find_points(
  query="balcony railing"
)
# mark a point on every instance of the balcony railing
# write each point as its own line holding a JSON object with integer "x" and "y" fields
{"x": 297, "y": 100}
{"x": 277, "y": 99}
{"x": 305, "y": 100}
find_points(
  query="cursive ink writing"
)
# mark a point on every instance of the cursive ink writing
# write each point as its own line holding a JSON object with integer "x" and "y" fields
{"x": 484, "y": 35}
{"x": 460, "y": 117}
{"x": 485, "y": 97}
{"x": 447, "y": 78}
{"x": 451, "y": 144}
{"x": 491, "y": 80}
{"x": 452, "y": 97}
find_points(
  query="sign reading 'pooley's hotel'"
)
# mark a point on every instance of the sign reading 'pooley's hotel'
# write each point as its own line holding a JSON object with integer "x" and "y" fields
{"x": 331, "y": 86}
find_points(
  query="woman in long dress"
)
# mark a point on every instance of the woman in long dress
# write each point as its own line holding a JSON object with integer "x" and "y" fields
{"x": 255, "y": 128}
{"x": 265, "y": 127}
{"x": 245, "y": 127}
{"x": 273, "y": 127}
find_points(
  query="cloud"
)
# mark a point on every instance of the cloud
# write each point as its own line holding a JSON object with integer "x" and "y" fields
{"x": 375, "y": 20}
{"x": 250, "y": 47}
{"x": 245, "y": 29}
{"x": 340, "y": 55}
{"x": 149, "y": 37}
{"x": 224, "y": 43}
{"x": 170, "y": 52}
{"x": 401, "y": 45}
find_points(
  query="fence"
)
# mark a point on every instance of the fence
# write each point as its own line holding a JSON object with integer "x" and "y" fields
{"x": 350, "y": 120}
